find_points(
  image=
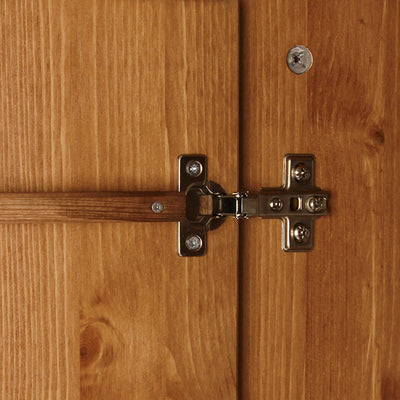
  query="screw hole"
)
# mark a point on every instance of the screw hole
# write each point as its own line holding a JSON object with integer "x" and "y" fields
{"x": 294, "y": 203}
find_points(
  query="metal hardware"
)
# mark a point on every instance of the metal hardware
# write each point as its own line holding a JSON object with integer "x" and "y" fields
{"x": 297, "y": 203}
{"x": 276, "y": 204}
{"x": 157, "y": 207}
{"x": 299, "y": 59}
{"x": 194, "y": 168}
{"x": 201, "y": 212}
{"x": 193, "y": 243}
{"x": 301, "y": 173}
{"x": 301, "y": 233}
{"x": 315, "y": 204}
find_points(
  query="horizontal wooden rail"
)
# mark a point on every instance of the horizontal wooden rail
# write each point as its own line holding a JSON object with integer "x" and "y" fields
{"x": 90, "y": 207}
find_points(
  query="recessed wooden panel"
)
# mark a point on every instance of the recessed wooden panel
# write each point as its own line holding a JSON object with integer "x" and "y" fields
{"x": 323, "y": 325}
{"x": 99, "y": 96}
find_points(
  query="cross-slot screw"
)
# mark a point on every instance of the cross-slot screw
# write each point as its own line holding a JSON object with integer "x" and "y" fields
{"x": 157, "y": 207}
{"x": 194, "y": 168}
{"x": 301, "y": 233}
{"x": 193, "y": 243}
{"x": 315, "y": 204}
{"x": 301, "y": 173}
{"x": 299, "y": 59}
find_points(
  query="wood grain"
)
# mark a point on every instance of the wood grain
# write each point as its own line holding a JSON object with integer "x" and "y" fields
{"x": 323, "y": 325}
{"x": 104, "y": 96}
{"x": 91, "y": 207}
{"x": 39, "y": 301}
{"x": 39, "y": 330}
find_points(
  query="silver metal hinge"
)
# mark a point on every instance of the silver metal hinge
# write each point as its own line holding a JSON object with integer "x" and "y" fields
{"x": 297, "y": 203}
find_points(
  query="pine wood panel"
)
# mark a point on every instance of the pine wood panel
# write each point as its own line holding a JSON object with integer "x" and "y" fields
{"x": 39, "y": 330}
{"x": 104, "y": 96}
{"x": 323, "y": 325}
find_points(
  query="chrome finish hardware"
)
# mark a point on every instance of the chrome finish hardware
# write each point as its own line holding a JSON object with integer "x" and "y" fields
{"x": 297, "y": 203}
{"x": 201, "y": 216}
{"x": 193, "y": 243}
{"x": 157, "y": 207}
{"x": 301, "y": 173}
{"x": 299, "y": 59}
{"x": 276, "y": 204}
{"x": 194, "y": 168}
{"x": 301, "y": 233}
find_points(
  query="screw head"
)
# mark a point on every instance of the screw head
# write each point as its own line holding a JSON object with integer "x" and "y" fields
{"x": 299, "y": 59}
{"x": 315, "y": 204}
{"x": 157, "y": 207}
{"x": 301, "y": 173}
{"x": 301, "y": 233}
{"x": 276, "y": 204}
{"x": 193, "y": 243}
{"x": 194, "y": 168}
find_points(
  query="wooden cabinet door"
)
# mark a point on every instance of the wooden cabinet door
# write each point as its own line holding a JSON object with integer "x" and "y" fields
{"x": 103, "y": 96}
{"x": 325, "y": 324}
{"x": 100, "y": 95}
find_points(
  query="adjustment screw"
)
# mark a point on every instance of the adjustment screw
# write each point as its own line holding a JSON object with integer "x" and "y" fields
{"x": 276, "y": 204}
{"x": 301, "y": 233}
{"x": 157, "y": 207}
{"x": 299, "y": 59}
{"x": 301, "y": 173}
{"x": 194, "y": 168}
{"x": 315, "y": 204}
{"x": 193, "y": 243}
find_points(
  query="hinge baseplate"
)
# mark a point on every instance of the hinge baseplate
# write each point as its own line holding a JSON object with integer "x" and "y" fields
{"x": 297, "y": 203}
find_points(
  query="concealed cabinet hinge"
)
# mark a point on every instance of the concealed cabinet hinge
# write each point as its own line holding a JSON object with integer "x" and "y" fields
{"x": 297, "y": 203}
{"x": 198, "y": 206}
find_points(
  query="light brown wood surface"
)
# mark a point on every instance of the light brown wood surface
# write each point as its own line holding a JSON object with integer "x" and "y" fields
{"x": 104, "y": 96}
{"x": 100, "y": 96}
{"x": 91, "y": 207}
{"x": 323, "y": 325}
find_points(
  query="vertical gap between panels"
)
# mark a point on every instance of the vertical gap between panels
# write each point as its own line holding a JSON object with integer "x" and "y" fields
{"x": 241, "y": 155}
